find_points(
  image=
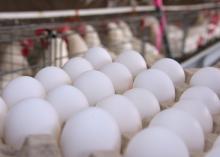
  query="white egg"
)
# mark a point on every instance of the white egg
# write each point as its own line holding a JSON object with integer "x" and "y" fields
{"x": 209, "y": 77}
{"x": 133, "y": 61}
{"x": 172, "y": 68}
{"x": 52, "y": 77}
{"x": 67, "y": 100}
{"x": 124, "y": 112}
{"x": 156, "y": 82}
{"x": 98, "y": 57}
{"x": 3, "y": 112}
{"x": 21, "y": 88}
{"x": 146, "y": 103}
{"x": 119, "y": 75}
{"x": 214, "y": 152}
{"x": 30, "y": 117}
{"x": 76, "y": 66}
{"x": 217, "y": 142}
{"x": 156, "y": 142}
{"x": 89, "y": 131}
{"x": 95, "y": 86}
{"x": 184, "y": 125}
{"x": 204, "y": 94}
{"x": 199, "y": 111}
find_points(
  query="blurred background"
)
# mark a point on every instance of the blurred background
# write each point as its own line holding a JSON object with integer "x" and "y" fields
{"x": 31, "y": 5}
{"x": 34, "y": 34}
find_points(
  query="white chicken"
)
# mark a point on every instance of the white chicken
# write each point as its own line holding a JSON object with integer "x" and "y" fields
{"x": 91, "y": 37}
{"x": 12, "y": 60}
{"x": 116, "y": 41}
{"x": 76, "y": 44}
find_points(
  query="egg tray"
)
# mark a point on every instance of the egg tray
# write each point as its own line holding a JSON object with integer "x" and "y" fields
{"x": 46, "y": 146}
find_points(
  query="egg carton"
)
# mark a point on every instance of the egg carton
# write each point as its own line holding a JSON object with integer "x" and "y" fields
{"x": 43, "y": 146}
{"x": 211, "y": 137}
{"x": 34, "y": 146}
{"x": 46, "y": 146}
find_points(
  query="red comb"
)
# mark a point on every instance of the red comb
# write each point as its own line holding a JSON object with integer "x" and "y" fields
{"x": 39, "y": 32}
{"x": 63, "y": 29}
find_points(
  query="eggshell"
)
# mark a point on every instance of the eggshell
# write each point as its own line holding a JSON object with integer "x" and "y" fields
{"x": 156, "y": 82}
{"x": 90, "y": 130}
{"x": 204, "y": 94}
{"x": 98, "y": 57}
{"x": 199, "y": 111}
{"x": 184, "y": 125}
{"x": 52, "y": 77}
{"x": 3, "y": 111}
{"x": 209, "y": 77}
{"x": 95, "y": 86}
{"x": 172, "y": 68}
{"x": 119, "y": 75}
{"x": 67, "y": 100}
{"x": 30, "y": 117}
{"x": 146, "y": 103}
{"x": 21, "y": 88}
{"x": 214, "y": 152}
{"x": 156, "y": 142}
{"x": 76, "y": 66}
{"x": 133, "y": 61}
{"x": 124, "y": 112}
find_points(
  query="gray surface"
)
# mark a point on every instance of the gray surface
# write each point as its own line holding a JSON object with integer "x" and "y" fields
{"x": 207, "y": 57}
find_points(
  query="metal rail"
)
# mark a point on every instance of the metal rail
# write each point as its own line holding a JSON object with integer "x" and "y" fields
{"x": 200, "y": 59}
{"x": 100, "y": 11}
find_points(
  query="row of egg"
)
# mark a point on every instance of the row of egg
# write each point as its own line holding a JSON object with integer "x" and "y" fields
{"x": 88, "y": 129}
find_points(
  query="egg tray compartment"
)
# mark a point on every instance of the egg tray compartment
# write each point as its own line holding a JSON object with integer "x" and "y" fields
{"x": 46, "y": 146}
{"x": 34, "y": 146}
{"x": 42, "y": 146}
{"x": 211, "y": 137}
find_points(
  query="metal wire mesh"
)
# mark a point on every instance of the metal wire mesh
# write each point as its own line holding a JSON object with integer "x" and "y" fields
{"x": 22, "y": 52}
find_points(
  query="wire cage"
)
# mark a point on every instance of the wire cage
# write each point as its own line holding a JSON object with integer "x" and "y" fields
{"x": 27, "y": 45}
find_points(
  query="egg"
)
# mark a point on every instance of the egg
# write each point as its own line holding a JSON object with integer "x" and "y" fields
{"x": 199, "y": 111}
{"x": 119, "y": 75}
{"x": 21, "y": 88}
{"x": 209, "y": 77}
{"x": 204, "y": 94}
{"x": 32, "y": 116}
{"x": 156, "y": 142}
{"x": 88, "y": 131}
{"x": 3, "y": 111}
{"x": 214, "y": 152}
{"x": 146, "y": 103}
{"x": 76, "y": 66}
{"x": 133, "y": 61}
{"x": 95, "y": 86}
{"x": 184, "y": 125}
{"x": 124, "y": 112}
{"x": 52, "y": 77}
{"x": 172, "y": 68}
{"x": 67, "y": 100}
{"x": 98, "y": 57}
{"x": 156, "y": 82}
